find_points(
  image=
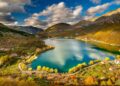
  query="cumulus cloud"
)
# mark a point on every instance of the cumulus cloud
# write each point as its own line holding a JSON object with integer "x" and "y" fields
{"x": 3, "y": 4}
{"x": 6, "y": 18}
{"x": 98, "y": 9}
{"x": 117, "y": 2}
{"x": 95, "y": 1}
{"x": 57, "y": 13}
{"x": 34, "y": 21}
{"x": 9, "y": 6}
{"x": 92, "y": 11}
{"x": 77, "y": 11}
{"x": 13, "y": 5}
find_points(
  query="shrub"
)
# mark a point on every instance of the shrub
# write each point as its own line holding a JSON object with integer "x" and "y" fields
{"x": 103, "y": 83}
{"x": 23, "y": 66}
{"x": 109, "y": 82}
{"x": 30, "y": 69}
{"x": 107, "y": 58}
{"x": 91, "y": 62}
{"x": 39, "y": 68}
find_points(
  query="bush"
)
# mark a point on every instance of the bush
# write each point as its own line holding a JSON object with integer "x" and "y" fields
{"x": 23, "y": 66}
{"x": 107, "y": 58}
{"x": 39, "y": 68}
{"x": 91, "y": 62}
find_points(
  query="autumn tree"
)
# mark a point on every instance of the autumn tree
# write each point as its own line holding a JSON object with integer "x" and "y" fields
{"x": 89, "y": 80}
{"x": 91, "y": 62}
{"x": 39, "y": 68}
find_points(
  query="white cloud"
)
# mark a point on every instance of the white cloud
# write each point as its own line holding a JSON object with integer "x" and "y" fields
{"x": 6, "y": 18}
{"x": 98, "y": 9}
{"x": 33, "y": 21}
{"x": 17, "y": 1}
{"x": 96, "y": 1}
{"x": 92, "y": 11}
{"x": 57, "y": 13}
{"x": 8, "y": 6}
{"x": 13, "y": 5}
{"x": 77, "y": 11}
{"x": 3, "y": 4}
{"x": 87, "y": 17}
{"x": 117, "y": 2}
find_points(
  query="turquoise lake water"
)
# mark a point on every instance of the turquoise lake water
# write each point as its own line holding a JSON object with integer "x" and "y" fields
{"x": 69, "y": 53}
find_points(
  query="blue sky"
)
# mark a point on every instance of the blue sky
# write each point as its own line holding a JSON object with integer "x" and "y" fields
{"x": 43, "y": 12}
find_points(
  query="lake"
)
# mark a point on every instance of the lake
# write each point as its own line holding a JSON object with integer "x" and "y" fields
{"x": 68, "y": 53}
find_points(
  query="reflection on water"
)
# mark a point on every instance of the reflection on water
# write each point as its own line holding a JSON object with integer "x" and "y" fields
{"x": 68, "y": 53}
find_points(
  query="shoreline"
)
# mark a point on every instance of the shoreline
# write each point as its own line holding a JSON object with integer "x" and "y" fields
{"x": 92, "y": 40}
{"x": 113, "y": 48}
{"x": 39, "y": 51}
{"x": 31, "y": 58}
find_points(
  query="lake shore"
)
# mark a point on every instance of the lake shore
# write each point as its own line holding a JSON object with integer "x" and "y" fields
{"x": 31, "y": 58}
{"x": 114, "y": 48}
{"x": 64, "y": 78}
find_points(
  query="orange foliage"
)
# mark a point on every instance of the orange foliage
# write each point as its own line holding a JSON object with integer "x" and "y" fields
{"x": 89, "y": 80}
{"x": 73, "y": 77}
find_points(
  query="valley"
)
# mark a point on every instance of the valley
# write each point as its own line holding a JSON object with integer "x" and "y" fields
{"x": 108, "y": 26}
{"x": 86, "y": 53}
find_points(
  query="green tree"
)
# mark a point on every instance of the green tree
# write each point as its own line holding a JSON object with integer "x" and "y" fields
{"x": 44, "y": 68}
{"x": 103, "y": 83}
{"x": 39, "y": 68}
{"x": 51, "y": 70}
{"x": 30, "y": 69}
{"x": 91, "y": 62}
{"x": 56, "y": 70}
{"x": 107, "y": 58}
{"x": 84, "y": 64}
{"x": 113, "y": 79}
{"x": 23, "y": 66}
{"x": 47, "y": 69}
{"x": 109, "y": 82}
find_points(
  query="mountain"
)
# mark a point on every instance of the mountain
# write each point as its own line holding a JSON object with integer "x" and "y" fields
{"x": 5, "y": 30}
{"x": 82, "y": 23}
{"x": 115, "y": 18}
{"x": 58, "y": 29}
{"x": 27, "y": 29}
{"x": 105, "y": 29}
{"x": 18, "y": 42}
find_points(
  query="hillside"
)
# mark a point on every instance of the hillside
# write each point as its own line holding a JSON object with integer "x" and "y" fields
{"x": 27, "y": 29}
{"x": 82, "y": 23}
{"x": 105, "y": 29}
{"x": 6, "y": 30}
{"x": 18, "y": 42}
{"x": 58, "y": 29}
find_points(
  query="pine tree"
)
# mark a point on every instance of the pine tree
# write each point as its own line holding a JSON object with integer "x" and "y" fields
{"x": 109, "y": 82}
{"x": 103, "y": 83}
